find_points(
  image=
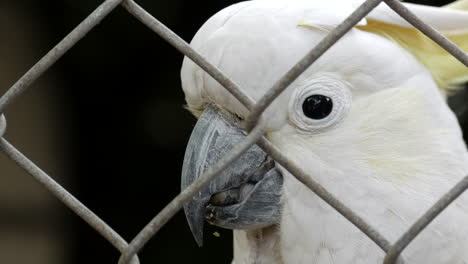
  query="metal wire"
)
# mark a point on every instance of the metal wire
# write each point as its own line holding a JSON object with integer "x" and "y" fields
{"x": 57, "y": 52}
{"x": 303, "y": 177}
{"x": 310, "y": 58}
{"x": 65, "y": 197}
{"x": 129, "y": 251}
{"x": 182, "y": 46}
{"x": 175, "y": 205}
{"x": 3, "y": 125}
{"x": 425, "y": 220}
{"x": 429, "y": 31}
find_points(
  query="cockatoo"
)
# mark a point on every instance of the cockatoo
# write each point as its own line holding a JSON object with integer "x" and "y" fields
{"x": 368, "y": 121}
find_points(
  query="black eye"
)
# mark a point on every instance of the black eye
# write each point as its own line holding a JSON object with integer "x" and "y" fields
{"x": 317, "y": 106}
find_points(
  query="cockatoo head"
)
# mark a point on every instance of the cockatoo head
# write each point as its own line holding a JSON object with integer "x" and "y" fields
{"x": 365, "y": 117}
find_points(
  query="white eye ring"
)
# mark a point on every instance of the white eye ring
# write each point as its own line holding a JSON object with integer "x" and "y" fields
{"x": 326, "y": 85}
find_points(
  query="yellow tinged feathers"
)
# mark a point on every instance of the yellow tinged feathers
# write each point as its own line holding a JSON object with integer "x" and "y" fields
{"x": 448, "y": 72}
{"x": 460, "y": 5}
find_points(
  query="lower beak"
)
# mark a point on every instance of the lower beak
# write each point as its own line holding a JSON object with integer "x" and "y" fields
{"x": 246, "y": 195}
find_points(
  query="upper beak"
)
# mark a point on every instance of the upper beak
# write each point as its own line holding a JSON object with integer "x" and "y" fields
{"x": 246, "y": 195}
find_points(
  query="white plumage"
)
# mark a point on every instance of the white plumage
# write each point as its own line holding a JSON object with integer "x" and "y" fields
{"x": 390, "y": 151}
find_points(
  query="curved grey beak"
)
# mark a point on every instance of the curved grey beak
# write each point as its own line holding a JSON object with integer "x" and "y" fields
{"x": 246, "y": 195}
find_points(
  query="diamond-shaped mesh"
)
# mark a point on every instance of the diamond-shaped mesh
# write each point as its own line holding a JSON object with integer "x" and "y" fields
{"x": 129, "y": 250}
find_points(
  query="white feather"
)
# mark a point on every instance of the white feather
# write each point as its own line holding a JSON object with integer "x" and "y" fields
{"x": 397, "y": 150}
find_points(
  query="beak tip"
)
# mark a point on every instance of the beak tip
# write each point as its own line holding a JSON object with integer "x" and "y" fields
{"x": 197, "y": 233}
{"x": 199, "y": 241}
{"x": 194, "y": 213}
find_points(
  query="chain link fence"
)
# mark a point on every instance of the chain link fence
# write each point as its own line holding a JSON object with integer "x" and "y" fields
{"x": 129, "y": 250}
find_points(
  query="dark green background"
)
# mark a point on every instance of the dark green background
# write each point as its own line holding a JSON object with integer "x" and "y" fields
{"x": 121, "y": 103}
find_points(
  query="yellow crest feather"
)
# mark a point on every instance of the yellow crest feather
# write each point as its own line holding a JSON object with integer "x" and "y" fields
{"x": 460, "y": 5}
{"x": 447, "y": 71}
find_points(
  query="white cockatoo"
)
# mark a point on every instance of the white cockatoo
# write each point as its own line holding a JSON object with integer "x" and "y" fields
{"x": 368, "y": 121}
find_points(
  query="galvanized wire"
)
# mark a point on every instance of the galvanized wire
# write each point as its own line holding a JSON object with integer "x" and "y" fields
{"x": 301, "y": 66}
{"x": 325, "y": 44}
{"x": 429, "y": 31}
{"x": 3, "y": 125}
{"x": 182, "y": 46}
{"x": 308, "y": 181}
{"x": 65, "y": 197}
{"x": 57, "y": 52}
{"x": 129, "y": 251}
{"x": 175, "y": 205}
{"x": 20, "y": 86}
{"x": 425, "y": 220}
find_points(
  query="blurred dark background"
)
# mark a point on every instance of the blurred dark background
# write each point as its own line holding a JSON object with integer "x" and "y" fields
{"x": 107, "y": 122}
